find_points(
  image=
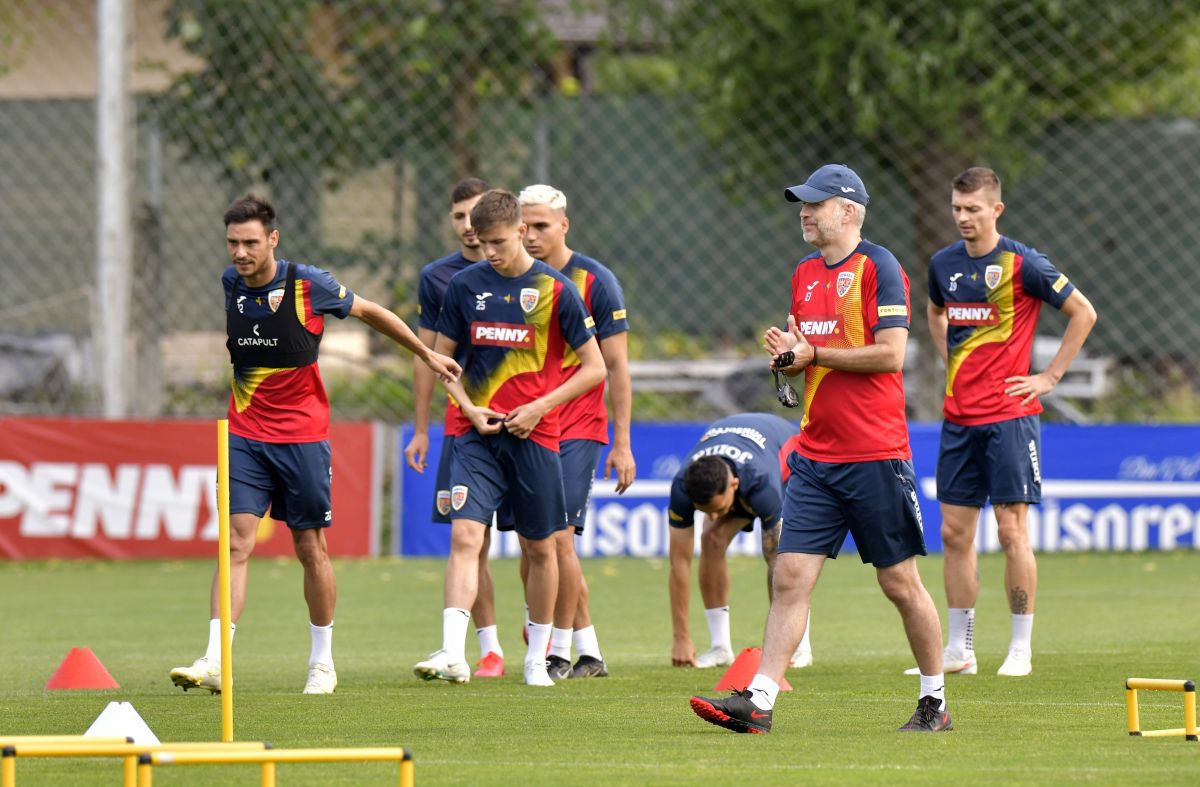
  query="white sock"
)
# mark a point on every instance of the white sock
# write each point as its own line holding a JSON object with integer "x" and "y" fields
{"x": 560, "y": 643}
{"x": 934, "y": 686}
{"x": 489, "y": 641}
{"x": 763, "y": 692}
{"x": 526, "y": 618}
{"x": 322, "y": 644}
{"x": 586, "y": 643}
{"x": 454, "y": 632}
{"x": 805, "y": 644}
{"x": 539, "y": 638}
{"x": 214, "y": 639}
{"x": 718, "y": 627}
{"x": 1022, "y": 632}
{"x": 961, "y": 640}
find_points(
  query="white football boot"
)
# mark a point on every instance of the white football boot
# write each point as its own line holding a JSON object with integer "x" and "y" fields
{"x": 714, "y": 657}
{"x": 439, "y": 667}
{"x": 203, "y": 674}
{"x": 322, "y": 679}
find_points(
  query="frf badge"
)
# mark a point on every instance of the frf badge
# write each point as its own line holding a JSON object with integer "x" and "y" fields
{"x": 274, "y": 298}
{"x": 529, "y": 299}
{"x": 443, "y": 501}
{"x": 991, "y": 276}
{"x": 458, "y": 497}
{"x": 844, "y": 280}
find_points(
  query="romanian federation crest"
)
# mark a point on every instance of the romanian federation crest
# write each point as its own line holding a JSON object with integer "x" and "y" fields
{"x": 991, "y": 276}
{"x": 844, "y": 280}
{"x": 458, "y": 497}
{"x": 529, "y": 299}
{"x": 443, "y": 501}
{"x": 274, "y": 298}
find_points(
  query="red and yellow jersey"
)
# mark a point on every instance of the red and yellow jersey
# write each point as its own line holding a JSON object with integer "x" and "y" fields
{"x": 848, "y": 416}
{"x": 273, "y": 335}
{"x": 511, "y": 336}
{"x": 992, "y": 304}
{"x": 586, "y": 416}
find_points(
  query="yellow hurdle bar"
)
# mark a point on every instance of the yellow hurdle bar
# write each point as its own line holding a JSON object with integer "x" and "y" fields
{"x": 224, "y": 590}
{"x": 1188, "y": 687}
{"x": 16, "y": 740}
{"x": 145, "y": 776}
{"x": 107, "y": 747}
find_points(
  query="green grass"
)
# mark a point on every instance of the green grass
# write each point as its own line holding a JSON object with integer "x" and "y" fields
{"x": 1101, "y": 618}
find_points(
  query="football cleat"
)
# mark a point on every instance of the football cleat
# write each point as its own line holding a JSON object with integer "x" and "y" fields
{"x": 439, "y": 667}
{"x": 928, "y": 717}
{"x": 536, "y": 674}
{"x": 1017, "y": 664}
{"x": 714, "y": 657}
{"x": 203, "y": 674}
{"x": 953, "y": 663}
{"x": 737, "y": 713}
{"x": 589, "y": 667}
{"x": 558, "y": 668}
{"x": 322, "y": 679}
{"x": 801, "y": 658}
{"x": 490, "y": 666}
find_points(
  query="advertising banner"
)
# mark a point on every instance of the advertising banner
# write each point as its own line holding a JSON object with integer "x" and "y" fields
{"x": 75, "y": 488}
{"x": 1104, "y": 488}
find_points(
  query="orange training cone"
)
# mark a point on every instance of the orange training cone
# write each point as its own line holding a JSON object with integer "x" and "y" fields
{"x": 742, "y": 670}
{"x": 81, "y": 670}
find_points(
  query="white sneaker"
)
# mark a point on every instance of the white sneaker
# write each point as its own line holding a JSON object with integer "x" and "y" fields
{"x": 536, "y": 674}
{"x": 203, "y": 674}
{"x": 1017, "y": 664}
{"x": 953, "y": 663}
{"x": 439, "y": 666}
{"x": 801, "y": 658}
{"x": 322, "y": 679}
{"x": 714, "y": 657}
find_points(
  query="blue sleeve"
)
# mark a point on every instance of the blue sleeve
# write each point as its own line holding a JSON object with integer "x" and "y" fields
{"x": 324, "y": 292}
{"x": 1042, "y": 280}
{"x": 762, "y": 496}
{"x": 680, "y": 511}
{"x": 935, "y": 289}
{"x": 429, "y": 305}
{"x": 891, "y": 293}
{"x": 608, "y": 304}
{"x": 450, "y": 320}
{"x": 573, "y": 318}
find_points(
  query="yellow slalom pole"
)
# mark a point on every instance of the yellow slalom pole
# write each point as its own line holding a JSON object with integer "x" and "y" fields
{"x": 1131, "y": 712}
{"x": 226, "y": 600}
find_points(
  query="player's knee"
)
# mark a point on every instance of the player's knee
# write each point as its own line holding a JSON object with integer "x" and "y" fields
{"x": 957, "y": 539}
{"x": 1013, "y": 536}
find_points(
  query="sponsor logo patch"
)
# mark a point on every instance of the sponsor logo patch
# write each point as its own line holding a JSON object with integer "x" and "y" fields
{"x": 895, "y": 310}
{"x": 529, "y": 299}
{"x": 619, "y": 314}
{"x": 972, "y": 314}
{"x": 443, "y": 501}
{"x": 821, "y": 326}
{"x": 991, "y": 276}
{"x": 502, "y": 334}
{"x": 844, "y": 280}
{"x": 458, "y": 497}
{"x": 1059, "y": 283}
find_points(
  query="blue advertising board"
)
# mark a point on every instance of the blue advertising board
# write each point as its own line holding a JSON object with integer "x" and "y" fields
{"x": 1104, "y": 488}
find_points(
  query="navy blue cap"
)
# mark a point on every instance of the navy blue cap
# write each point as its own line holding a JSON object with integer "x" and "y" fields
{"x": 831, "y": 180}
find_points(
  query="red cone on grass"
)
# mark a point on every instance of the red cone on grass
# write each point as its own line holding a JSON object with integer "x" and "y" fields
{"x": 742, "y": 671}
{"x": 81, "y": 670}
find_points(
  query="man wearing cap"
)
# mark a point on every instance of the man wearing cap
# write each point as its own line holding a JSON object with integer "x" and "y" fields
{"x": 852, "y": 470}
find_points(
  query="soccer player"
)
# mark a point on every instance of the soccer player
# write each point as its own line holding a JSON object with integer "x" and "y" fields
{"x": 510, "y": 319}
{"x": 985, "y": 292}
{"x": 584, "y": 422}
{"x": 734, "y": 475}
{"x": 852, "y": 470}
{"x": 279, "y": 456}
{"x": 431, "y": 290}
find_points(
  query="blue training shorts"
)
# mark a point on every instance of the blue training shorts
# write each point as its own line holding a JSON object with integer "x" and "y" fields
{"x": 579, "y": 461}
{"x": 491, "y": 471}
{"x": 876, "y": 502}
{"x": 1000, "y": 461}
{"x": 291, "y": 480}
{"x": 441, "y": 499}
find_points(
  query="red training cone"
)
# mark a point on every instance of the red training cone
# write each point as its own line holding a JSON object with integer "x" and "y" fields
{"x": 742, "y": 670}
{"x": 81, "y": 670}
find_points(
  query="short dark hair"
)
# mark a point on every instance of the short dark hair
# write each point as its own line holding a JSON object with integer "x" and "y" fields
{"x": 976, "y": 178}
{"x": 467, "y": 188}
{"x": 495, "y": 207}
{"x": 705, "y": 478}
{"x": 251, "y": 208}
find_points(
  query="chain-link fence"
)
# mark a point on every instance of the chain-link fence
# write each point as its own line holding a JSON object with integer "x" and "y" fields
{"x": 672, "y": 126}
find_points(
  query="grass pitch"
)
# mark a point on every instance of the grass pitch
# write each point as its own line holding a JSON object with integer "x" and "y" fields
{"x": 1100, "y": 619}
